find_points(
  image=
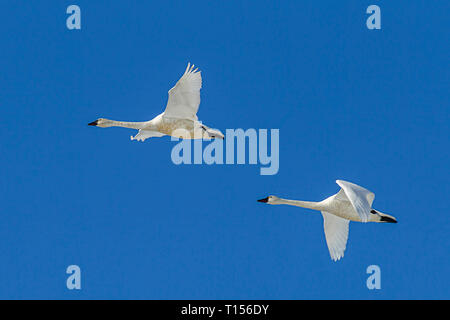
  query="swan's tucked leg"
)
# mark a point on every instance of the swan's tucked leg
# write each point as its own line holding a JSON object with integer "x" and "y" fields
{"x": 211, "y": 133}
{"x": 144, "y": 134}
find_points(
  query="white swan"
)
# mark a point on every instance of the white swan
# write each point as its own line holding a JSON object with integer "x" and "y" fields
{"x": 352, "y": 202}
{"x": 180, "y": 117}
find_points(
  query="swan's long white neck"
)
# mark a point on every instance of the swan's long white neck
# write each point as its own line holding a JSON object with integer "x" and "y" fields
{"x": 124, "y": 124}
{"x": 303, "y": 204}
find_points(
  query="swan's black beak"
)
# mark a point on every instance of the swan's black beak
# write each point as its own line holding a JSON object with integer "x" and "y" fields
{"x": 93, "y": 123}
{"x": 264, "y": 200}
{"x": 388, "y": 219}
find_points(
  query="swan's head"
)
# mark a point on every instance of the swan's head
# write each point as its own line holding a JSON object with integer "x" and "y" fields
{"x": 102, "y": 123}
{"x": 270, "y": 200}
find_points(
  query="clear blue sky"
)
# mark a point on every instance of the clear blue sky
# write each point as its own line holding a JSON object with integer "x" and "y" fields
{"x": 371, "y": 107}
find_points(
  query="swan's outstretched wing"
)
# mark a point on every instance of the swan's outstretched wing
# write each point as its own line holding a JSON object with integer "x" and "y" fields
{"x": 336, "y": 234}
{"x": 360, "y": 198}
{"x": 184, "y": 98}
{"x": 144, "y": 134}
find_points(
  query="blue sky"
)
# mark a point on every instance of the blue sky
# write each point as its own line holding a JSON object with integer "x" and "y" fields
{"x": 371, "y": 107}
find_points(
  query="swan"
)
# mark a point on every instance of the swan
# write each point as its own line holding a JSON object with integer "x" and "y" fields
{"x": 351, "y": 203}
{"x": 179, "y": 119}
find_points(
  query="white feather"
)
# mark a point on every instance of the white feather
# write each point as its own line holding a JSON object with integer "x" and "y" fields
{"x": 360, "y": 198}
{"x": 184, "y": 97}
{"x": 336, "y": 234}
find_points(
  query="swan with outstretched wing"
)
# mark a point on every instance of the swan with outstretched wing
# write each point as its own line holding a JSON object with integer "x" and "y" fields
{"x": 179, "y": 119}
{"x": 351, "y": 203}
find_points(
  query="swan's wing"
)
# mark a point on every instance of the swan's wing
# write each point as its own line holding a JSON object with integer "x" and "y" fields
{"x": 360, "y": 198}
{"x": 144, "y": 134}
{"x": 341, "y": 195}
{"x": 336, "y": 234}
{"x": 184, "y": 98}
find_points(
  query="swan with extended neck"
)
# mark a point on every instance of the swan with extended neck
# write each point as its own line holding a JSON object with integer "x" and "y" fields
{"x": 351, "y": 203}
{"x": 179, "y": 119}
